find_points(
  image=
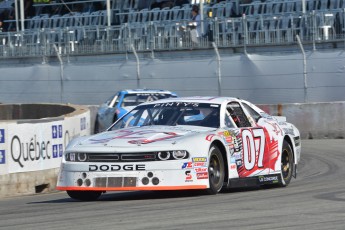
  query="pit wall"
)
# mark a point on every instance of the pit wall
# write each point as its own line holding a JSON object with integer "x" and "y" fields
{"x": 31, "y": 149}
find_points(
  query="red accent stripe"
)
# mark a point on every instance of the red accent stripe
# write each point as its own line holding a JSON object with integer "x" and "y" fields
{"x": 62, "y": 188}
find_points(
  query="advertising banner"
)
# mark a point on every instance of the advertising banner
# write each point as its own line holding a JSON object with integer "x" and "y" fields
{"x": 39, "y": 146}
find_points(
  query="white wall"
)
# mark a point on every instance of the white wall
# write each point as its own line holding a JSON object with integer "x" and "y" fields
{"x": 31, "y": 150}
{"x": 260, "y": 78}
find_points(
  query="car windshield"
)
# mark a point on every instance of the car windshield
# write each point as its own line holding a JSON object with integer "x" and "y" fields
{"x": 171, "y": 114}
{"x": 138, "y": 98}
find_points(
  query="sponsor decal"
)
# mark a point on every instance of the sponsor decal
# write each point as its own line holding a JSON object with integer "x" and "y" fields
{"x": 271, "y": 179}
{"x": 189, "y": 177}
{"x": 297, "y": 141}
{"x": 275, "y": 128}
{"x": 200, "y": 164}
{"x": 198, "y": 170}
{"x": 226, "y": 133}
{"x": 227, "y": 136}
{"x": 232, "y": 160}
{"x": 187, "y": 165}
{"x": 57, "y": 151}
{"x": 209, "y": 137}
{"x": 233, "y": 166}
{"x": 167, "y": 135}
{"x": 32, "y": 151}
{"x": 2, "y": 157}
{"x": 60, "y": 150}
{"x": 56, "y": 131}
{"x": 199, "y": 159}
{"x": 289, "y": 131}
{"x": 283, "y": 123}
{"x": 229, "y": 139}
{"x": 260, "y": 152}
{"x": 128, "y": 167}
{"x": 137, "y": 136}
{"x": 178, "y": 104}
{"x": 83, "y": 123}
{"x": 203, "y": 175}
{"x": 238, "y": 156}
{"x": 2, "y": 136}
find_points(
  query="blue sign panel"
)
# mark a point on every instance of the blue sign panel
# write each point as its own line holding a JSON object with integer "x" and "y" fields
{"x": 2, "y": 136}
{"x": 60, "y": 131}
{"x": 60, "y": 150}
{"x": 2, "y": 157}
{"x": 55, "y": 151}
{"x": 54, "y": 132}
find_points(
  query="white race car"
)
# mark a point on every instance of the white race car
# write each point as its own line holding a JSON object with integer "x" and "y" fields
{"x": 204, "y": 143}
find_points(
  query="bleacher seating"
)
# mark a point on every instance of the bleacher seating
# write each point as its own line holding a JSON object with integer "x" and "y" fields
{"x": 229, "y": 22}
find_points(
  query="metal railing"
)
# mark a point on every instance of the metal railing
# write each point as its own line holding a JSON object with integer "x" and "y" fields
{"x": 258, "y": 30}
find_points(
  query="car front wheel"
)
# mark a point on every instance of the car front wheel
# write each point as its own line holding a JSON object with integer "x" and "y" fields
{"x": 84, "y": 195}
{"x": 215, "y": 170}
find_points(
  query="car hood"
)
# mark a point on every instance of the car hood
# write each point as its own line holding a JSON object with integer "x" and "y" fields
{"x": 143, "y": 136}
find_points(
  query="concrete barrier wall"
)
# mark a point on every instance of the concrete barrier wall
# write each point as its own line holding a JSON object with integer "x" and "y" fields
{"x": 32, "y": 143}
{"x": 314, "y": 120}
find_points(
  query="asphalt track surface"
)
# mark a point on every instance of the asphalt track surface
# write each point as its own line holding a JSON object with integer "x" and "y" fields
{"x": 315, "y": 200}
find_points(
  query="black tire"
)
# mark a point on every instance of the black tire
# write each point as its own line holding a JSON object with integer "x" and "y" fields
{"x": 96, "y": 129}
{"x": 287, "y": 164}
{"x": 84, "y": 195}
{"x": 215, "y": 171}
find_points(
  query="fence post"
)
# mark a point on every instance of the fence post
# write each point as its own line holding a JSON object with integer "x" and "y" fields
{"x": 245, "y": 33}
{"x": 304, "y": 69}
{"x": 219, "y": 69}
{"x": 61, "y": 71}
{"x": 314, "y": 29}
{"x": 138, "y": 66}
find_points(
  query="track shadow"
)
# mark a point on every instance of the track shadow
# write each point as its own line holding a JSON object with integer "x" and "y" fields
{"x": 154, "y": 195}
{"x": 130, "y": 196}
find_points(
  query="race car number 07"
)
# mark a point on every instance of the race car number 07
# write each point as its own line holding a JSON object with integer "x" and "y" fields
{"x": 253, "y": 145}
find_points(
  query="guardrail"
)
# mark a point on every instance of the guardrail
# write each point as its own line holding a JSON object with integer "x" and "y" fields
{"x": 254, "y": 30}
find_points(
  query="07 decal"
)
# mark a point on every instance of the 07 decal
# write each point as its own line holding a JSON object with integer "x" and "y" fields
{"x": 253, "y": 148}
{"x": 259, "y": 152}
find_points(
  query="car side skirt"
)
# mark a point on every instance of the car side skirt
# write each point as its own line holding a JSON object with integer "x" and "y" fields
{"x": 148, "y": 188}
{"x": 255, "y": 181}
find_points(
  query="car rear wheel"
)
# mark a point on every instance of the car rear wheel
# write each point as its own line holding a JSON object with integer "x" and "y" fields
{"x": 215, "y": 170}
{"x": 84, "y": 195}
{"x": 287, "y": 164}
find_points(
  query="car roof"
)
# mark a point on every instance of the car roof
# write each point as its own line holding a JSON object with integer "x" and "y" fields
{"x": 197, "y": 99}
{"x": 130, "y": 91}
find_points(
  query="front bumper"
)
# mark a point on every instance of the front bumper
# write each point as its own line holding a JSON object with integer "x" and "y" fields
{"x": 129, "y": 176}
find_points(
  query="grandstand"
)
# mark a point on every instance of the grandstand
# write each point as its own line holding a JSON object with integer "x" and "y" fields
{"x": 85, "y": 27}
